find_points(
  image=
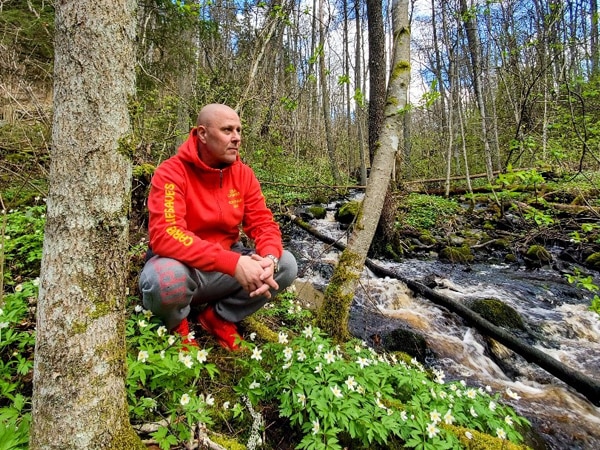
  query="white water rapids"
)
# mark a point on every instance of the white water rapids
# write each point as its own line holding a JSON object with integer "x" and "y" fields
{"x": 554, "y": 311}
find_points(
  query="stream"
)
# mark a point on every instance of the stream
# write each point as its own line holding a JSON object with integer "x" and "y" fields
{"x": 554, "y": 311}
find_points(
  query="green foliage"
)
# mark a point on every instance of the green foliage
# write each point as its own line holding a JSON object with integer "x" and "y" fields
{"x": 22, "y": 242}
{"x": 424, "y": 212}
{"x": 586, "y": 282}
{"x": 331, "y": 392}
{"x": 164, "y": 378}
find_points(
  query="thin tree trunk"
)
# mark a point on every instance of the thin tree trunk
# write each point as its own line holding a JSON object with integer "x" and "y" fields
{"x": 79, "y": 399}
{"x": 377, "y": 82}
{"x": 333, "y": 316}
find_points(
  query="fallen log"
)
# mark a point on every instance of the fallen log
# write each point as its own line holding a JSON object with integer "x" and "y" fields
{"x": 583, "y": 384}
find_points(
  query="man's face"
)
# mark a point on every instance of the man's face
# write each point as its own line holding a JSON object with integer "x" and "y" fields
{"x": 220, "y": 138}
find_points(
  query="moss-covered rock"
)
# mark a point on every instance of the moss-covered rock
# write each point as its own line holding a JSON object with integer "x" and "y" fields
{"x": 318, "y": 212}
{"x": 498, "y": 313}
{"x": 347, "y": 212}
{"x": 405, "y": 341}
{"x": 460, "y": 255}
{"x": 537, "y": 256}
{"x": 593, "y": 261}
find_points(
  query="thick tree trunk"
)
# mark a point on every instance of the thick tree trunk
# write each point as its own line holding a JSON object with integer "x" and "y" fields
{"x": 377, "y": 88}
{"x": 333, "y": 316}
{"x": 79, "y": 399}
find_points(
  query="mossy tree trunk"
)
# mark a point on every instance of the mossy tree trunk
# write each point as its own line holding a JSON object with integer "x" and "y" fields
{"x": 333, "y": 316}
{"x": 79, "y": 399}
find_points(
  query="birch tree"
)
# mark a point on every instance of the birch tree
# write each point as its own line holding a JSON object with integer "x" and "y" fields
{"x": 334, "y": 314}
{"x": 79, "y": 399}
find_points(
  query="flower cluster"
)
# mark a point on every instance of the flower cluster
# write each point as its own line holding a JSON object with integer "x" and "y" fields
{"x": 325, "y": 389}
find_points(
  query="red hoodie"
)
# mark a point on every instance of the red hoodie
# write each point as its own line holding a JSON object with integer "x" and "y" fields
{"x": 196, "y": 211}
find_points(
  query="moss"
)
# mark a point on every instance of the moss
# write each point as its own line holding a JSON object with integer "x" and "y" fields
{"x": 538, "y": 253}
{"x": 460, "y": 255}
{"x": 318, "y": 212}
{"x": 229, "y": 444}
{"x": 593, "y": 261}
{"x": 333, "y": 316}
{"x": 499, "y": 313}
{"x": 126, "y": 146}
{"x": 347, "y": 212}
{"x": 407, "y": 342}
{"x": 510, "y": 258}
{"x": 481, "y": 441}
{"x": 426, "y": 238}
{"x": 263, "y": 331}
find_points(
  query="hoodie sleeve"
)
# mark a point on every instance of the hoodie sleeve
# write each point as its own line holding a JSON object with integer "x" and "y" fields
{"x": 259, "y": 223}
{"x": 168, "y": 228}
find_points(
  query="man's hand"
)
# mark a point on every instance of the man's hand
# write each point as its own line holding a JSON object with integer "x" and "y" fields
{"x": 255, "y": 274}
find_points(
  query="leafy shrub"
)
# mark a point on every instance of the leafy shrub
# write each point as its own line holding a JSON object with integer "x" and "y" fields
{"x": 427, "y": 211}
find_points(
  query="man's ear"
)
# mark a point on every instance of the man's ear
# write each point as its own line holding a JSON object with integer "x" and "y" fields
{"x": 201, "y": 133}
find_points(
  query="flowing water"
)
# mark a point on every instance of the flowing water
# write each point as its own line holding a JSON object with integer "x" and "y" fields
{"x": 555, "y": 312}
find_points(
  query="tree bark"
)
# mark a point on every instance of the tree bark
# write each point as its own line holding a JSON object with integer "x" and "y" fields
{"x": 377, "y": 88}
{"x": 79, "y": 398}
{"x": 333, "y": 316}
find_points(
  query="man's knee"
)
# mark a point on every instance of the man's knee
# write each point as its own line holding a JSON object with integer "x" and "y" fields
{"x": 166, "y": 281}
{"x": 288, "y": 270}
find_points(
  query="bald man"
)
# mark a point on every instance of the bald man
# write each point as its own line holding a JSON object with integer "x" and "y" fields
{"x": 199, "y": 199}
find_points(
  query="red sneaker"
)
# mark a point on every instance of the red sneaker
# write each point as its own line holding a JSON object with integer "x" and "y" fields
{"x": 224, "y": 331}
{"x": 183, "y": 329}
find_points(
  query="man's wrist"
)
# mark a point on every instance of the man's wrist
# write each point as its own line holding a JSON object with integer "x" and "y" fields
{"x": 275, "y": 260}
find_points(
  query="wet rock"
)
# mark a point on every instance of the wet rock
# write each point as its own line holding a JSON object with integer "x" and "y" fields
{"x": 593, "y": 261}
{"x": 498, "y": 313}
{"x": 347, "y": 212}
{"x": 460, "y": 255}
{"x": 406, "y": 341}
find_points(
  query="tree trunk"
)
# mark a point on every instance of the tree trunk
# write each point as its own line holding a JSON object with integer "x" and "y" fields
{"x": 333, "y": 316}
{"x": 377, "y": 88}
{"x": 325, "y": 97}
{"x": 79, "y": 398}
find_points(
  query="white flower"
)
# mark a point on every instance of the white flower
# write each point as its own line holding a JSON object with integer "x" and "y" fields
{"x": 350, "y": 383}
{"x": 362, "y": 362}
{"x": 148, "y": 314}
{"x": 252, "y": 336}
{"x": 161, "y": 331}
{"x": 336, "y": 391}
{"x": 508, "y": 420}
{"x": 463, "y": 383}
{"x": 435, "y": 416}
{"x": 500, "y": 433}
{"x": 301, "y": 355}
{"x": 488, "y": 388}
{"x": 36, "y": 281}
{"x": 308, "y": 333}
{"x": 319, "y": 368}
{"x": 512, "y": 394}
{"x": 287, "y": 365}
{"x": 448, "y": 417}
{"x": 1, "y": 311}
{"x": 254, "y": 385}
{"x": 202, "y": 355}
{"x": 256, "y": 354}
{"x": 171, "y": 340}
{"x": 138, "y": 308}
{"x": 283, "y": 338}
{"x": 360, "y": 390}
{"x": 357, "y": 348}
{"x": 432, "y": 430}
{"x": 185, "y": 399}
{"x": 329, "y": 357}
{"x": 472, "y": 411}
{"x": 226, "y": 405}
{"x": 379, "y": 403}
{"x": 492, "y": 405}
{"x": 288, "y": 353}
{"x": 18, "y": 288}
{"x": 302, "y": 399}
{"x": 315, "y": 426}
{"x": 186, "y": 360}
{"x": 443, "y": 395}
{"x": 471, "y": 393}
{"x": 209, "y": 400}
{"x": 403, "y": 416}
{"x": 469, "y": 435}
{"x": 162, "y": 354}
{"x": 142, "y": 356}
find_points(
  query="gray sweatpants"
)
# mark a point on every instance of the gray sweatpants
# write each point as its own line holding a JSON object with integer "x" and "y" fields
{"x": 170, "y": 288}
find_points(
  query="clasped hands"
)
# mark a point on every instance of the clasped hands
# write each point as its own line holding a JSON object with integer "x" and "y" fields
{"x": 255, "y": 274}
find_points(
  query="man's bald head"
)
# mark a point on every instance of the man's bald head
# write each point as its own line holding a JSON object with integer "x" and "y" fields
{"x": 212, "y": 111}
